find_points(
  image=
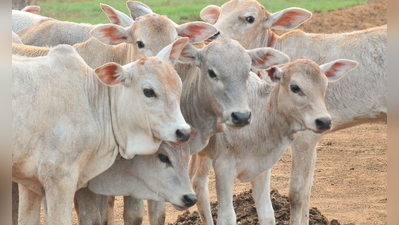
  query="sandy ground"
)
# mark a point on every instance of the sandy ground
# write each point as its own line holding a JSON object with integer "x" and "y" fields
{"x": 350, "y": 181}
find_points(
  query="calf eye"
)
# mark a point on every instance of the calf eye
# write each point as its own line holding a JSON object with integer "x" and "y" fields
{"x": 250, "y": 19}
{"x": 149, "y": 93}
{"x": 164, "y": 158}
{"x": 140, "y": 44}
{"x": 296, "y": 89}
{"x": 212, "y": 74}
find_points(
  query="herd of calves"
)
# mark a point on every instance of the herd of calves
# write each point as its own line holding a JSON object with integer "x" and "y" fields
{"x": 144, "y": 108}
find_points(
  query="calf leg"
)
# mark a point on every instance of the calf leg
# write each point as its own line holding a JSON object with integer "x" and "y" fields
{"x": 199, "y": 173}
{"x": 59, "y": 195}
{"x": 15, "y": 203}
{"x": 225, "y": 177}
{"x": 29, "y": 206}
{"x": 87, "y": 205}
{"x": 110, "y": 211}
{"x": 261, "y": 194}
{"x": 133, "y": 211}
{"x": 303, "y": 151}
{"x": 156, "y": 210}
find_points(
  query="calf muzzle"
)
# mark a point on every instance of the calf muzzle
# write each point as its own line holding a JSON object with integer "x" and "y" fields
{"x": 323, "y": 124}
{"x": 183, "y": 135}
{"x": 241, "y": 119}
{"x": 189, "y": 200}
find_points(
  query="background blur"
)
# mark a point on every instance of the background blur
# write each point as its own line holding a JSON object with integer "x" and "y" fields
{"x": 89, "y": 11}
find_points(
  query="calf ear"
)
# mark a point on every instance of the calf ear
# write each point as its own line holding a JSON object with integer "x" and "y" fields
{"x": 116, "y": 17}
{"x": 189, "y": 54}
{"x": 172, "y": 52}
{"x": 111, "y": 34}
{"x": 210, "y": 14}
{"x": 32, "y": 9}
{"x": 288, "y": 19}
{"x": 263, "y": 58}
{"x": 111, "y": 74}
{"x": 273, "y": 75}
{"x": 138, "y": 9}
{"x": 196, "y": 31}
{"x": 336, "y": 69}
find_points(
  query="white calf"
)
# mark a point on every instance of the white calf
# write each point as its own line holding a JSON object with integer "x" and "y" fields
{"x": 361, "y": 98}
{"x": 58, "y": 149}
{"x": 295, "y": 103}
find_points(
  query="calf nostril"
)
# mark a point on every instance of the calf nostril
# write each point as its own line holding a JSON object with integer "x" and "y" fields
{"x": 182, "y": 136}
{"x": 323, "y": 123}
{"x": 189, "y": 200}
{"x": 241, "y": 118}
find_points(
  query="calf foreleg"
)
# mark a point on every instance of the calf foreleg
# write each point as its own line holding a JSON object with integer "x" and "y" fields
{"x": 59, "y": 193}
{"x": 87, "y": 206}
{"x": 261, "y": 194}
{"x": 133, "y": 211}
{"x": 156, "y": 211}
{"x": 15, "y": 203}
{"x": 29, "y": 206}
{"x": 199, "y": 173}
{"x": 303, "y": 151}
{"x": 225, "y": 176}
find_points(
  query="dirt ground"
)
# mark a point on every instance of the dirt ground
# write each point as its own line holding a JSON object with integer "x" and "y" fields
{"x": 350, "y": 181}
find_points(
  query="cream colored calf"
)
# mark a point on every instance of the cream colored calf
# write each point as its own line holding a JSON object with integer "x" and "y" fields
{"x": 294, "y": 103}
{"x": 26, "y": 17}
{"x": 124, "y": 110}
{"x": 360, "y": 98}
{"x": 146, "y": 37}
{"x": 52, "y": 32}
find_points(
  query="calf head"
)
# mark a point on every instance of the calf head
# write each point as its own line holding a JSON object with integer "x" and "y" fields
{"x": 166, "y": 176}
{"x": 146, "y": 109}
{"x": 151, "y": 32}
{"x": 225, "y": 67}
{"x": 248, "y": 22}
{"x": 301, "y": 88}
{"x": 162, "y": 176}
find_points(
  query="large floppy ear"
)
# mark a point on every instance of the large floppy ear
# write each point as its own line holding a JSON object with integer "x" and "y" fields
{"x": 189, "y": 54}
{"x": 32, "y": 9}
{"x": 210, "y": 14}
{"x": 263, "y": 58}
{"x": 196, "y": 31}
{"x": 288, "y": 19}
{"x": 172, "y": 52}
{"x": 111, "y": 74}
{"x": 111, "y": 34}
{"x": 336, "y": 69}
{"x": 116, "y": 17}
{"x": 138, "y": 9}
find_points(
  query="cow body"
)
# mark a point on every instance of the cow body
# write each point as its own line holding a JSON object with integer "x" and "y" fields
{"x": 24, "y": 18}
{"x": 240, "y": 154}
{"x": 362, "y": 98}
{"x": 58, "y": 149}
{"x": 51, "y": 32}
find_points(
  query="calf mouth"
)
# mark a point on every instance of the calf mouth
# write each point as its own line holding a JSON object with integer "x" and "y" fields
{"x": 180, "y": 208}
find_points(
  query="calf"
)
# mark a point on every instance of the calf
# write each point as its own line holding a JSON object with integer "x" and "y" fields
{"x": 57, "y": 150}
{"x": 51, "y": 32}
{"x": 361, "y": 98}
{"x": 161, "y": 176}
{"x": 295, "y": 103}
{"x": 137, "y": 41}
{"x": 26, "y": 17}
{"x": 146, "y": 37}
{"x": 214, "y": 93}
